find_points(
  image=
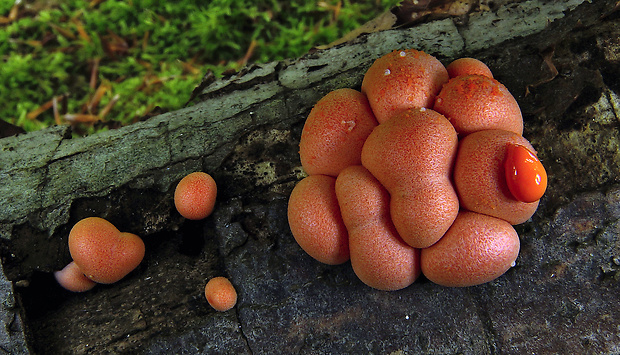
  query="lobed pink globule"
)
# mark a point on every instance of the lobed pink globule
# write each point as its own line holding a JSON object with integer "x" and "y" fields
{"x": 431, "y": 192}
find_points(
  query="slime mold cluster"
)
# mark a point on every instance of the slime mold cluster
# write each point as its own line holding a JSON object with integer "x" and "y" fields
{"x": 103, "y": 254}
{"x": 425, "y": 171}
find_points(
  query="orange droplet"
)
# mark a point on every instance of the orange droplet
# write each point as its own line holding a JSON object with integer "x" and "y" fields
{"x": 525, "y": 175}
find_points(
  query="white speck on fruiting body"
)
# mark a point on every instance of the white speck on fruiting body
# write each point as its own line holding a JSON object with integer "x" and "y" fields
{"x": 403, "y": 53}
{"x": 513, "y": 264}
{"x": 387, "y": 72}
{"x": 350, "y": 125}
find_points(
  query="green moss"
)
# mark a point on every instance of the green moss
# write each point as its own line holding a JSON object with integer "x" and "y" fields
{"x": 162, "y": 49}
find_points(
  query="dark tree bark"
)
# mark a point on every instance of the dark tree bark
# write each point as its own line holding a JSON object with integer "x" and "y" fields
{"x": 561, "y": 60}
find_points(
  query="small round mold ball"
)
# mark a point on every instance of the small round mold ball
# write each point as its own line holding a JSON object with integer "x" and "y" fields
{"x": 73, "y": 279}
{"x": 316, "y": 222}
{"x": 475, "y": 250}
{"x": 402, "y": 80}
{"x": 335, "y": 131}
{"x": 194, "y": 196}
{"x": 480, "y": 176}
{"x": 475, "y": 103}
{"x": 221, "y": 294}
{"x": 468, "y": 66}
{"x": 102, "y": 252}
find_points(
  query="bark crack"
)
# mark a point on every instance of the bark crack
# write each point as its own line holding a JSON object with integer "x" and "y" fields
{"x": 242, "y": 332}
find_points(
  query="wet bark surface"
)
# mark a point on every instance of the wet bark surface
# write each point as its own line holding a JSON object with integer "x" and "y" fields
{"x": 561, "y": 297}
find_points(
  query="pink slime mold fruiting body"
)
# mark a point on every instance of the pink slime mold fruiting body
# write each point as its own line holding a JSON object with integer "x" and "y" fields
{"x": 402, "y": 80}
{"x": 475, "y": 102}
{"x": 480, "y": 179}
{"x": 412, "y": 156}
{"x": 316, "y": 222}
{"x": 335, "y": 132}
{"x": 379, "y": 256}
{"x": 476, "y": 249}
{"x": 103, "y": 253}
{"x": 443, "y": 175}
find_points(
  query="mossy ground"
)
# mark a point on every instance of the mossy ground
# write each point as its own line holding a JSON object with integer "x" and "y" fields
{"x": 101, "y": 64}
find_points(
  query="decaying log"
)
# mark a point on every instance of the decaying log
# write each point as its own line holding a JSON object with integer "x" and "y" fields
{"x": 244, "y": 130}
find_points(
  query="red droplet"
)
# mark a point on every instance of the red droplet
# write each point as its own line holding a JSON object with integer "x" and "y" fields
{"x": 525, "y": 175}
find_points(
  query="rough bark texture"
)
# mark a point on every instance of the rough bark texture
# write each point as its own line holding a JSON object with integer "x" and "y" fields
{"x": 561, "y": 297}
